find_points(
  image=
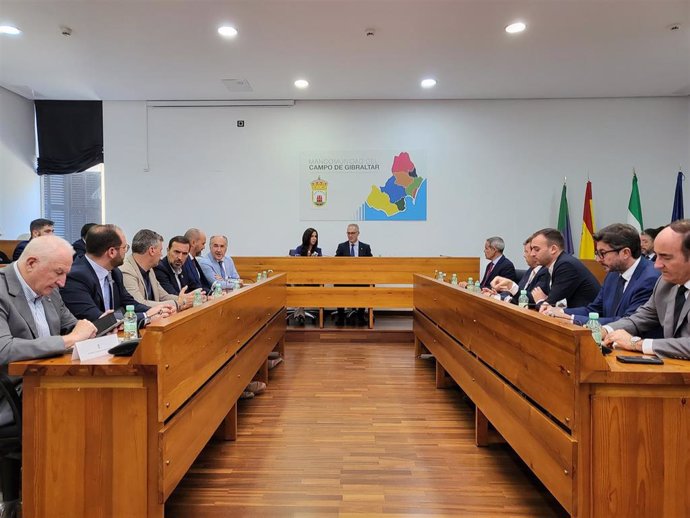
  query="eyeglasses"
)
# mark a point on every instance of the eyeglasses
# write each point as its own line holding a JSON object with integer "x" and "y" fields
{"x": 600, "y": 254}
{"x": 355, "y": 232}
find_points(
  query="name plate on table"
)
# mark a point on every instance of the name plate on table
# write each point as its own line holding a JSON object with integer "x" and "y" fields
{"x": 94, "y": 348}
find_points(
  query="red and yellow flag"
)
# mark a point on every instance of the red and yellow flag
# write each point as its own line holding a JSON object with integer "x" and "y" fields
{"x": 586, "y": 240}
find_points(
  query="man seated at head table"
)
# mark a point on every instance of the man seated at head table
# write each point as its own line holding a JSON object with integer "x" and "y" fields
{"x": 353, "y": 247}
{"x": 170, "y": 270}
{"x": 667, "y": 307}
{"x": 140, "y": 279}
{"x": 570, "y": 279}
{"x": 217, "y": 266}
{"x": 535, "y": 276}
{"x": 34, "y": 323}
{"x": 628, "y": 283}
{"x": 38, "y": 227}
{"x": 95, "y": 285}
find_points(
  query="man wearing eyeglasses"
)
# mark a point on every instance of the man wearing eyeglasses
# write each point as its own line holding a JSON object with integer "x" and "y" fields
{"x": 353, "y": 247}
{"x": 95, "y": 286}
{"x": 628, "y": 283}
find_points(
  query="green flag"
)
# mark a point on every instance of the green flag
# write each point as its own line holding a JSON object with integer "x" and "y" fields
{"x": 635, "y": 207}
{"x": 564, "y": 222}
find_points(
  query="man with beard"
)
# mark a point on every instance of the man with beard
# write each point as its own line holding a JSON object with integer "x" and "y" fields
{"x": 169, "y": 270}
{"x": 94, "y": 285}
{"x": 191, "y": 268}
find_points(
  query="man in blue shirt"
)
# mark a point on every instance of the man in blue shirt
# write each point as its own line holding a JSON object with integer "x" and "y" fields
{"x": 216, "y": 265}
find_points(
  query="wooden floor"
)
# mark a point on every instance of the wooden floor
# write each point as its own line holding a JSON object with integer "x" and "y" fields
{"x": 351, "y": 429}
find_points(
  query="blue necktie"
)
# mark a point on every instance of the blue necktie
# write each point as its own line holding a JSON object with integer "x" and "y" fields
{"x": 352, "y": 250}
{"x": 222, "y": 270}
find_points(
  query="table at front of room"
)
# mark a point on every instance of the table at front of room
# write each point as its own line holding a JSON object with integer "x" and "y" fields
{"x": 608, "y": 440}
{"x": 112, "y": 437}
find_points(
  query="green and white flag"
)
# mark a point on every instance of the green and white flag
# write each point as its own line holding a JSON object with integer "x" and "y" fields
{"x": 635, "y": 207}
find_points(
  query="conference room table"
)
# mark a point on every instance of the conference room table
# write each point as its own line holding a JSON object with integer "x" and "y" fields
{"x": 111, "y": 437}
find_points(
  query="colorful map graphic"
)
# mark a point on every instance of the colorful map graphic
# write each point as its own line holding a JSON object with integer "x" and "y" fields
{"x": 403, "y": 197}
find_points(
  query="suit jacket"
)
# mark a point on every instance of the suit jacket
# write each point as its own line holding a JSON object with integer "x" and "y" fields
{"x": 343, "y": 250}
{"x": 658, "y": 310}
{"x": 637, "y": 292}
{"x": 541, "y": 279}
{"x": 19, "y": 338}
{"x": 135, "y": 285}
{"x": 166, "y": 277}
{"x": 503, "y": 268}
{"x": 83, "y": 297}
{"x": 571, "y": 280}
{"x": 79, "y": 248}
{"x": 195, "y": 275}
{"x": 19, "y": 249}
{"x": 298, "y": 251}
{"x": 211, "y": 268}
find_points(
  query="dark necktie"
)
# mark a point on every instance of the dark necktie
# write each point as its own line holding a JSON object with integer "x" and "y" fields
{"x": 109, "y": 282}
{"x": 178, "y": 278}
{"x": 680, "y": 302}
{"x": 618, "y": 295}
{"x": 352, "y": 250}
{"x": 489, "y": 269}
{"x": 222, "y": 270}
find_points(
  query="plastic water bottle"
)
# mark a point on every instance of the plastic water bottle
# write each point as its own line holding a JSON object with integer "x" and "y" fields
{"x": 198, "y": 301}
{"x": 258, "y": 277}
{"x": 477, "y": 287}
{"x": 217, "y": 290}
{"x": 264, "y": 274}
{"x": 130, "y": 324}
{"x": 595, "y": 326}
{"x": 523, "y": 301}
{"x": 470, "y": 284}
{"x": 454, "y": 279}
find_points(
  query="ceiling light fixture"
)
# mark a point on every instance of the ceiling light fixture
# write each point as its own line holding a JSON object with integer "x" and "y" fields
{"x": 9, "y": 29}
{"x": 515, "y": 28}
{"x": 301, "y": 83}
{"x": 428, "y": 83}
{"x": 227, "y": 31}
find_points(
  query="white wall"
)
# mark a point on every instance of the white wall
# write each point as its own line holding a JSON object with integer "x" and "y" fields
{"x": 494, "y": 167}
{"x": 20, "y": 195}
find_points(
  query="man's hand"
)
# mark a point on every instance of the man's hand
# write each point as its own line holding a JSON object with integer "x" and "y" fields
{"x": 488, "y": 292}
{"x": 462, "y": 284}
{"x": 185, "y": 300}
{"x": 621, "y": 339}
{"x": 538, "y": 294}
{"x": 82, "y": 331}
{"x": 501, "y": 284}
{"x": 160, "y": 311}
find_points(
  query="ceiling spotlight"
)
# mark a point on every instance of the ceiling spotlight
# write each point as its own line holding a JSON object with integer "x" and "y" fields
{"x": 516, "y": 27}
{"x": 428, "y": 83}
{"x": 8, "y": 29}
{"x": 301, "y": 83}
{"x": 227, "y": 32}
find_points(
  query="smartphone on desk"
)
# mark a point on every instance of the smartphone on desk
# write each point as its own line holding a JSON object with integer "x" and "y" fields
{"x": 645, "y": 359}
{"x": 106, "y": 323}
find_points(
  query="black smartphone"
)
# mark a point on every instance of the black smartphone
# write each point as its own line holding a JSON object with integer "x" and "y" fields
{"x": 106, "y": 323}
{"x": 644, "y": 359}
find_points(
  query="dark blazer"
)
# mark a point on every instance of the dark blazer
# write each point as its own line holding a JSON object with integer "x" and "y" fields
{"x": 541, "y": 280}
{"x": 503, "y": 268}
{"x": 344, "y": 250}
{"x": 79, "y": 248}
{"x": 83, "y": 297}
{"x": 166, "y": 277}
{"x": 571, "y": 280}
{"x": 195, "y": 276}
{"x": 637, "y": 292}
{"x": 298, "y": 251}
{"x": 19, "y": 249}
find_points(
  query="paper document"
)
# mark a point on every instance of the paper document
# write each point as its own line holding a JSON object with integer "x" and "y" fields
{"x": 93, "y": 348}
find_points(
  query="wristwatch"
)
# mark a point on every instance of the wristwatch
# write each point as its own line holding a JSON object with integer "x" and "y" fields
{"x": 634, "y": 341}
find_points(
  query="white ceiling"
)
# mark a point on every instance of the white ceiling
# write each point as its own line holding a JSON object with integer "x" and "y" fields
{"x": 170, "y": 50}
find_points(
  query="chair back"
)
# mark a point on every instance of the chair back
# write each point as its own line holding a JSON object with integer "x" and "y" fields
{"x": 292, "y": 252}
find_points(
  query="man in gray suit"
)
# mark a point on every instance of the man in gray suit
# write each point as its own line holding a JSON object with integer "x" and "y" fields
{"x": 668, "y": 306}
{"x": 34, "y": 323}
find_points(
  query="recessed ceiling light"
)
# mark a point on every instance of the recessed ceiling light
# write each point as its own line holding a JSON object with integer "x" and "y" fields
{"x": 516, "y": 27}
{"x": 301, "y": 83}
{"x": 428, "y": 83}
{"x": 227, "y": 31}
{"x": 8, "y": 29}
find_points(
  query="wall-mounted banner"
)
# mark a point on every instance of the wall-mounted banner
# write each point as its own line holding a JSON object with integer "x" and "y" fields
{"x": 363, "y": 186}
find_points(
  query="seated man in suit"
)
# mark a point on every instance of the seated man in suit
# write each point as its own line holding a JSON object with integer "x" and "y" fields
{"x": 34, "y": 322}
{"x": 80, "y": 244}
{"x": 570, "y": 279}
{"x": 140, "y": 279}
{"x": 191, "y": 268}
{"x": 499, "y": 264}
{"x": 668, "y": 306}
{"x": 353, "y": 247}
{"x": 217, "y": 266}
{"x": 535, "y": 276}
{"x": 628, "y": 283}
{"x": 94, "y": 285}
{"x": 38, "y": 227}
{"x": 647, "y": 237}
{"x": 170, "y": 271}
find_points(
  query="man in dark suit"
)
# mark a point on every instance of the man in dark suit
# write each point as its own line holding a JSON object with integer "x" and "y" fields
{"x": 499, "y": 265}
{"x": 34, "y": 323}
{"x": 353, "y": 247}
{"x": 191, "y": 268}
{"x": 628, "y": 283}
{"x": 647, "y": 237}
{"x": 570, "y": 279}
{"x": 38, "y": 227}
{"x": 169, "y": 271}
{"x": 536, "y": 276}
{"x": 80, "y": 244}
{"x": 94, "y": 285}
{"x": 668, "y": 306}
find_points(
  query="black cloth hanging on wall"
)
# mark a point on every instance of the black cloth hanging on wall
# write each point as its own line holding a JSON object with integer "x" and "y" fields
{"x": 70, "y": 136}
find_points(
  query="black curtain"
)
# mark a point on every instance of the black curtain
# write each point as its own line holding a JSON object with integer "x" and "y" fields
{"x": 70, "y": 136}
